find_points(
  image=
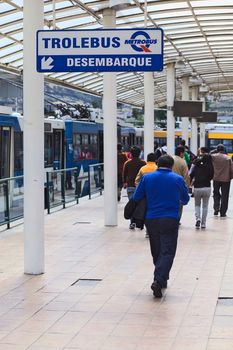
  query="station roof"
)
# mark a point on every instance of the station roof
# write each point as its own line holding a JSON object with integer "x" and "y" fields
{"x": 198, "y": 31}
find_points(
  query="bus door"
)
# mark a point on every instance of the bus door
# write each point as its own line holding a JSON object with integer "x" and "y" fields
{"x": 5, "y": 149}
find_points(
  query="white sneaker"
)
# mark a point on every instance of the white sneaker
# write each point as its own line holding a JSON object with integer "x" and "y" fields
{"x": 132, "y": 226}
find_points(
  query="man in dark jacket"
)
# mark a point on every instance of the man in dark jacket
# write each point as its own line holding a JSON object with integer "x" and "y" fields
{"x": 130, "y": 171}
{"x": 223, "y": 173}
{"x": 164, "y": 191}
{"x": 121, "y": 159}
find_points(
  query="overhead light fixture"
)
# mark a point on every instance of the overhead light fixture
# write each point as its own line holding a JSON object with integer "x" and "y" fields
{"x": 180, "y": 64}
{"x": 118, "y": 4}
{"x": 203, "y": 88}
{"x": 195, "y": 79}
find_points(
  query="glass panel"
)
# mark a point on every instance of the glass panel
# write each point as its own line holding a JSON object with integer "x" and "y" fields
{"x": 58, "y": 150}
{"x": 16, "y": 193}
{"x": 48, "y": 152}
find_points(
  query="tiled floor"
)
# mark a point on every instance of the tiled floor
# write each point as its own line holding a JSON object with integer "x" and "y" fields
{"x": 51, "y": 312}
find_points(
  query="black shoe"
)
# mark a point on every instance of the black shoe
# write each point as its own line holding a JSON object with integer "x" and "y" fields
{"x": 215, "y": 213}
{"x": 119, "y": 198}
{"x": 198, "y": 223}
{"x": 157, "y": 290}
{"x": 223, "y": 216}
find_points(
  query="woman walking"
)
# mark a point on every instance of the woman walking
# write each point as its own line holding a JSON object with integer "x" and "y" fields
{"x": 201, "y": 174}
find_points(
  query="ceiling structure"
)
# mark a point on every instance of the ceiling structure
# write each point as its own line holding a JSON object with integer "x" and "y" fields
{"x": 199, "y": 31}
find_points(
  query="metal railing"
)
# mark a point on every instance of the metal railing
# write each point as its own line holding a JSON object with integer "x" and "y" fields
{"x": 11, "y": 199}
{"x": 62, "y": 186}
{"x": 96, "y": 178}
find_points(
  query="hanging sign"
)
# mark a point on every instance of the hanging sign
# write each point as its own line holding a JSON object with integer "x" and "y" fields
{"x": 105, "y": 50}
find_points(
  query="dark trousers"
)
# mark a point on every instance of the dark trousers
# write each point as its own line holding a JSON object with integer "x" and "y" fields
{"x": 163, "y": 234}
{"x": 221, "y": 196}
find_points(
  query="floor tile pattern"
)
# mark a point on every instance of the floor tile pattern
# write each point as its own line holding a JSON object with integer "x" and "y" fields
{"x": 51, "y": 312}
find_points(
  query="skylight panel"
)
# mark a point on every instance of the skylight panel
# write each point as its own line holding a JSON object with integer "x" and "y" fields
{"x": 11, "y": 18}
{"x": 4, "y": 42}
{"x": 11, "y": 58}
{"x": 59, "y": 5}
{"x": 18, "y": 2}
{"x": 12, "y": 27}
{"x": 75, "y": 22}
{"x": 10, "y": 50}
{"x": 4, "y": 7}
{"x": 210, "y": 11}
{"x": 18, "y": 36}
{"x": 206, "y": 3}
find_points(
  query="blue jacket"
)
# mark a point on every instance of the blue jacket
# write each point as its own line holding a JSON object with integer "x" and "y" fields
{"x": 164, "y": 191}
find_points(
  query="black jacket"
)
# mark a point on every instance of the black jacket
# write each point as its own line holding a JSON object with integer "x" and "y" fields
{"x": 203, "y": 171}
{"x": 136, "y": 211}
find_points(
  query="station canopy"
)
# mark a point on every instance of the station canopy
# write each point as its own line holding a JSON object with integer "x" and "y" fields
{"x": 199, "y": 32}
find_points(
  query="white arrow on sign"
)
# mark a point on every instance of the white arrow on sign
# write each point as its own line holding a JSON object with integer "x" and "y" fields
{"x": 46, "y": 63}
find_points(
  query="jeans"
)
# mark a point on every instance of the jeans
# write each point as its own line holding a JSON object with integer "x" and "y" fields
{"x": 130, "y": 192}
{"x": 221, "y": 199}
{"x": 163, "y": 234}
{"x": 201, "y": 196}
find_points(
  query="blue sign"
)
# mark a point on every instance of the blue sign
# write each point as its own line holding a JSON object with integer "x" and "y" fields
{"x": 105, "y": 50}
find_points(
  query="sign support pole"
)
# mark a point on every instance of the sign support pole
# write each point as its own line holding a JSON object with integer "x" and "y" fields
{"x": 148, "y": 105}
{"x": 202, "y": 125}
{"x": 170, "y": 104}
{"x": 194, "y": 123}
{"x": 149, "y": 113}
{"x": 33, "y": 102}
{"x": 110, "y": 135}
{"x": 185, "y": 97}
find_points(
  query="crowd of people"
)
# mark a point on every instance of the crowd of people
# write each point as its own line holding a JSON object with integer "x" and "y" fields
{"x": 164, "y": 184}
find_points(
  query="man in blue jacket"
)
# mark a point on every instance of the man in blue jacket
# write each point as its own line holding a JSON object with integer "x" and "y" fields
{"x": 163, "y": 190}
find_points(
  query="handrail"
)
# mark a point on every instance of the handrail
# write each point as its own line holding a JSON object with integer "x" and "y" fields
{"x": 97, "y": 180}
{"x": 60, "y": 170}
{"x": 61, "y": 186}
{"x": 11, "y": 178}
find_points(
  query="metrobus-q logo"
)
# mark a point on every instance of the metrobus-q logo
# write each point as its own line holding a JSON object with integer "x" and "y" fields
{"x": 140, "y": 41}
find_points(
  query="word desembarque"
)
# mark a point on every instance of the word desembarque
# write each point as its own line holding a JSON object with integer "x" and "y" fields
{"x": 109, "y": 61}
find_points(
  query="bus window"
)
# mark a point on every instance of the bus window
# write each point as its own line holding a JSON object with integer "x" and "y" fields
{"x": 77, "y": 141}
{"x": 213, "y": 143}
{"x": 5, "y": 143}
{"x": 86, "y": 151}
{"x": 18, "y": 151}
{"x": 94, "y": 146}
{"x": 228, "y": 145}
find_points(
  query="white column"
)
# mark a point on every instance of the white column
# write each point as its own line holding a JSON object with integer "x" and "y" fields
{"x": 110, "y": 135}
{"x": 194, "y": 123}
{"x": 148, "y": 113}
{"x": 170, "y": 104}
{"x": 33, "y": 103}
{"x": 185, "y": 97}
{"x": 202, "y": 126}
